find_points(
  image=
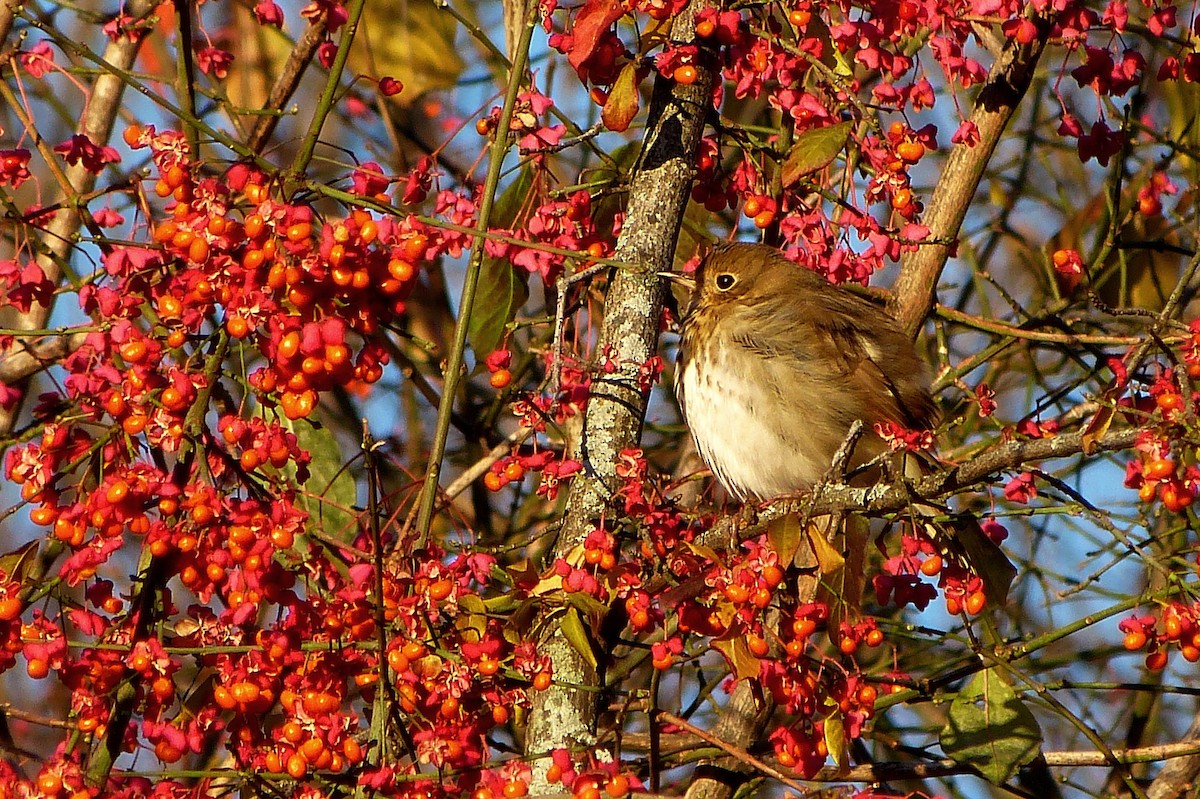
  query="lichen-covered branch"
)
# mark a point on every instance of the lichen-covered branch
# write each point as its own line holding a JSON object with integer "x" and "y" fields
{"x": 563, "y": 716}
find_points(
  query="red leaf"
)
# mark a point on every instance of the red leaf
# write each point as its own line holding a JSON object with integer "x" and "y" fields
{"x": 596, "y": 17}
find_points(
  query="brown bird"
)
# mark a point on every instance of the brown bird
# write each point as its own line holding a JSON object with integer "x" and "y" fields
{"x": 775, "y": 365}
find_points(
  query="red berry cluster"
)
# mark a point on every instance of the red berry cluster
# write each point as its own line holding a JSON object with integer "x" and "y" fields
{"x": 1176, "y": 625}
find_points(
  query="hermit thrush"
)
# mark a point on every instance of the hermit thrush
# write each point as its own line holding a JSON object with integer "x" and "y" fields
{"x": 775, "y": 365}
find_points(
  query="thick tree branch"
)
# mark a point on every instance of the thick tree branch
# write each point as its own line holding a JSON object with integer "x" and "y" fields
{"x": 888, "y": 498}
{"x": 1010, "y": 77}
{"x": 563, "y": 716}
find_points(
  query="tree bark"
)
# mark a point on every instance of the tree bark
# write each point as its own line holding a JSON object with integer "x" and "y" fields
{"x": 564, "y": 715}
{"x": 916, "y": 286}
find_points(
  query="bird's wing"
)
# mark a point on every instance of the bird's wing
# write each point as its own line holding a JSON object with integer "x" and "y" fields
{"x": 840, "y": 334}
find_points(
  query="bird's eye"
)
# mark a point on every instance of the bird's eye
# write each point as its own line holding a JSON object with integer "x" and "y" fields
{"x": 725, "y": 281}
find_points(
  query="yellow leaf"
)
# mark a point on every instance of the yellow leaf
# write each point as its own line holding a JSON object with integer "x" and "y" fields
{"x": 784, "y": 536}
{"x": 835, "y": 739}
{"x": 623, "y": 101}
{"x": 741, "y": 660}
{"x": 412, "y": 41}
{"x": 829, "y": 559}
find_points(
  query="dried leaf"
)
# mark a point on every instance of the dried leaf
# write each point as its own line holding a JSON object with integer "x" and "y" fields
{"x": 742, "y": 662}
{"x": 858, "y": 533}
{"x": 18, "y": 563}
{"x": 784, "y": 536}
{"x": 829, "y": 560}
{"x": 813, "y": 150}
{"x": 591, "y": 23}
{"x": 987, "y": 559}
{"x": 623, "y": 100}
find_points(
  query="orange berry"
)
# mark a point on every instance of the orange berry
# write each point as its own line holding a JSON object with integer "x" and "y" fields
{"x": 299, "y": 232}
{"x": 312, "y": 749}
{"x": 500, "y": 378}
{"x": 932, "y": 566}
{"x": 1158, "y": 468}
{"x": 618, "y": 786}
{"x": 297, "y": 767}
{"x": 910, "y": 151}
{"x": 255, "y": 193}
{"x": 237, "y": 326}
{"x": 172, "y": 399}
{"x": 289, "y": 346}
{"x": 117, "y": 491}
{"x": 167, "y": 752}
{"x": 43, "y": 516}
{"x": 10, "y": 608}
{"x": 440, "y": 590}
{"x": 867, "y": 695}
{"x": 800, "y": 17}
{"x": 976, "y": 602}
{"x": 133, "y": 351}
{"x": 736, "y": 593}
{"x": 686, "y": 74}
{"x": 198, "y": 250}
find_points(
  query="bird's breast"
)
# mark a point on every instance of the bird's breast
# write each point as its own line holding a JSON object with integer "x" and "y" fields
{"x": 748, "y": 427}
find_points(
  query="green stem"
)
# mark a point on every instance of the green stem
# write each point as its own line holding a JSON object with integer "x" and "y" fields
{"x": 466, "y": 303}
{"x": 329, "y": 93}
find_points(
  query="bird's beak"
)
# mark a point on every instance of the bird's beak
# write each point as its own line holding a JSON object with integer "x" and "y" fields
{"x": 680, "y": 279}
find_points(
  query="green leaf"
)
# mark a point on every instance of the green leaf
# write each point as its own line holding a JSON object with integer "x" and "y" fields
{"x": 991, "y": 729}
{"x": 502, "y": 289}
{"x": 576, "y": 634}
{"x": 331, "y": 490}
{"x": 813, "y": 150}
